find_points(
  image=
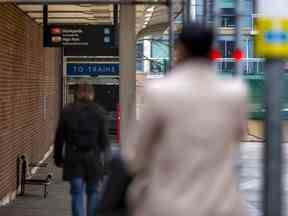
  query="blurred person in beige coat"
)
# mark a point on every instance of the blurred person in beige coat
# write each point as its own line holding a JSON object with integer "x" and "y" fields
{"x": 183, "y": 149}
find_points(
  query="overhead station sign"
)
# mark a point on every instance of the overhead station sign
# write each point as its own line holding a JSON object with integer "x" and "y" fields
{"x": 83, "y": 40}
{"x": 79, "y": 36}
{"x": 272, "y": 29}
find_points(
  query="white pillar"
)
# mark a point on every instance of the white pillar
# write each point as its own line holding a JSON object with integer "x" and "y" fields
{"x": 127, "y": 66}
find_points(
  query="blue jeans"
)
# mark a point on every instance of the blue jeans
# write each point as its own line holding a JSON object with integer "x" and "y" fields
{"x": 77, "y": 194}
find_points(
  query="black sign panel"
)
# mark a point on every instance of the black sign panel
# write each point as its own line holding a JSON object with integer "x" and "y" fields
{"x": 83, "y": 40}
{"x": 77, "y": 36}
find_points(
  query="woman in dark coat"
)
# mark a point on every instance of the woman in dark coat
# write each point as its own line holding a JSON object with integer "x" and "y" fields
{"x": 82, "y": 128}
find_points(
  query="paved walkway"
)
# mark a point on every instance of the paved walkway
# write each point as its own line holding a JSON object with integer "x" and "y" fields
{"x": 251, "y": 176}
{"x": 58, "y": 204}
{"x": 33, "y": 203}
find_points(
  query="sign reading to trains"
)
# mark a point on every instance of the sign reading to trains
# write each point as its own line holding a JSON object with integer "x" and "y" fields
{"x": 92, "y": 69}
{"x": 79, "y": 36}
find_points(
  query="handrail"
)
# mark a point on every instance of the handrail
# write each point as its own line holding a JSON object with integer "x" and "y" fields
{"x": 243, "y": 60}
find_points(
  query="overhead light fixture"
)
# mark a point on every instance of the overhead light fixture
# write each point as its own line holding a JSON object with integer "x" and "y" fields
{"x": 148, "y": 15}
{"x": 85, "y": 5}
{"x": 98, "y": 17}
{"x": 151, "y": 9}
{"x": 92, "y": 18}
{"x": 96, "y": 11}
{"x": 88, "y": 12}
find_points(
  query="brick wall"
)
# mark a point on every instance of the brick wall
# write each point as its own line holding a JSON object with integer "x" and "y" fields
{"x": 29, "y": 86}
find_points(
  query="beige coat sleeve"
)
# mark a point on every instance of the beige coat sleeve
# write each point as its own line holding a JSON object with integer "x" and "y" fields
{"x": 142, "y": 135}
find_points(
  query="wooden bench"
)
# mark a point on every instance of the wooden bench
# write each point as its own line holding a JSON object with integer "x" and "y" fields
{"x": 26, "y": 177}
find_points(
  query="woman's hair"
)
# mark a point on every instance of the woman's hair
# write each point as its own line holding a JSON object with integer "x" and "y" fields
{"x": 197, "y": 39}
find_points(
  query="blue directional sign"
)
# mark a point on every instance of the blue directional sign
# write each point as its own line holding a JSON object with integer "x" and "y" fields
{"x": 92, "y": 69}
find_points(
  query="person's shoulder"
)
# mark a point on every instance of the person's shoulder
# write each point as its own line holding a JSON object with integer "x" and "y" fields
{"x": 67, "y": 111}
{"x": 98, "y": 108}
{"x": 155, "y": 86}
{"x": 234, "y": 86}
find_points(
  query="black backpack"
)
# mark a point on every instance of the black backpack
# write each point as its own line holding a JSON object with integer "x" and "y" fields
{"x": 86, "y": 133}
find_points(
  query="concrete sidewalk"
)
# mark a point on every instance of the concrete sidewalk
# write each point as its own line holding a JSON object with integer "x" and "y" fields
{"x": 251, "y": 177}
{"x": 58, "y": 200}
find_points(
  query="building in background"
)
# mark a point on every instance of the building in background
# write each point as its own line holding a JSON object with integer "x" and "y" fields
{"x": 221, "y": 14}
{"x": 226, "y": 24}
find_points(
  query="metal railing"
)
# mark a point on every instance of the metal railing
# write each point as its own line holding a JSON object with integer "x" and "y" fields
{"x": 251, "y": 66}
{"x": 156, "y": 65}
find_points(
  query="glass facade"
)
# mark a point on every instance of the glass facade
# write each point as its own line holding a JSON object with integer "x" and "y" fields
{"x": 253, "y": 69}
{"x": 159, "y": 55}
{"x": 140, "y": 57}
{"x": 159, "y": 48}
{"x": 228, "y": 19}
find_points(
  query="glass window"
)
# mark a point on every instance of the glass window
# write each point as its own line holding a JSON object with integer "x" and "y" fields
{"x": 158, "y": 66}
{"x": 140, "y": 57}
{"x": 140, "y": 66}
{"x": 159, "y": 48}
{"x": 228, "y": 21}
{"x": 228, "y": 18}
{"x": 139, "y": 50}
{"x": 227, "y": 48}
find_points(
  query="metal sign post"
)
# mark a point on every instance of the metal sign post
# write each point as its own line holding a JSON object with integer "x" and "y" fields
{"x": 273, "y": 187}
{"x": 270, "y": 44}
